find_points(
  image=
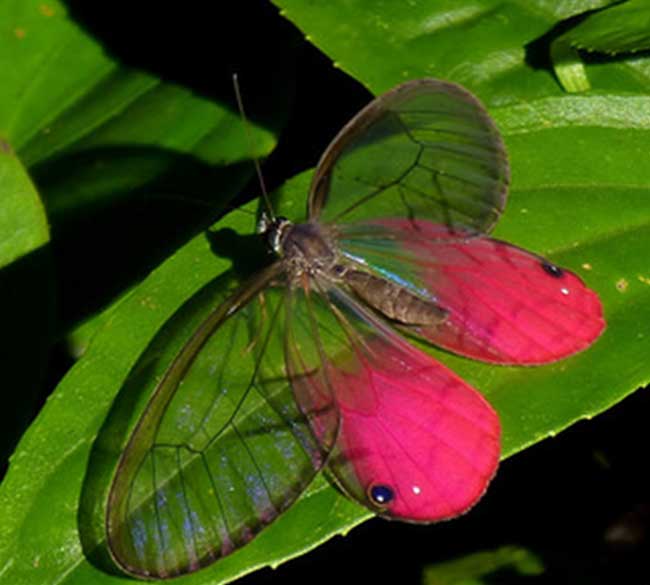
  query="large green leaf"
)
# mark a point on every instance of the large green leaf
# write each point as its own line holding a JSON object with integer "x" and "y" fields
{"x": 552, "y": 212}
{"x": 481, "y": 44}
{"x": 579, "y": 196}
{"x": 74, "y": 417}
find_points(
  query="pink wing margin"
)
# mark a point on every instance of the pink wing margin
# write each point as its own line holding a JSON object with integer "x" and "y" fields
{"x": 414, "y": 436}
{"x": 505, "y": 305}
{"x": 415, "y": 442}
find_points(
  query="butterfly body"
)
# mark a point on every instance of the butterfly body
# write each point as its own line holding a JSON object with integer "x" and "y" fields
{"x": 304, "y": 366}
{"x": 308, "y": 251}
{"x": 305, "y": 249}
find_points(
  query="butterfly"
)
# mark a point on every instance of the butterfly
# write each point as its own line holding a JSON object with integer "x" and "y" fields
{"x": 309, "y": 364}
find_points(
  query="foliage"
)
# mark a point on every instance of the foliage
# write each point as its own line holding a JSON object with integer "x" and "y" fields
{"x": 95, "y": 136}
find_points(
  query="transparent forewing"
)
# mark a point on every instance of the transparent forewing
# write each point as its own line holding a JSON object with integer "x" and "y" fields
{"x": 425, "y": 150}
{"x": 225, "y": 444}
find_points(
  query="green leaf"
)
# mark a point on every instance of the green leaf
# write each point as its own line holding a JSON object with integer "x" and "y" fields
{"x": 471, "y": 569}
{"x": 25, "y": 293}
{"x": 579, "y": 196}
{"x": 479, "y": 44}
{"x": 592, "y": 215}
{"x": 109, "y": 145}
{"x": 553, "y": 209}
{"x": 23, "y": 226}
{"x": 569, "y": 68}
{"x": 63, "y": 94}
{"x": 622, "y": 28}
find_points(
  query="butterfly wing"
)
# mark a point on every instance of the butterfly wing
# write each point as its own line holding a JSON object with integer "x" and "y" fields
{"x": 224, "y": 444}
{"x": 426, "y": 149}
{"x": 415, "y": 441}
{"x": 500, "y": 303}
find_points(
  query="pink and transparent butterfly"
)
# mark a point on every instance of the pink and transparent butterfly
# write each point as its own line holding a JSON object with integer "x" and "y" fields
{"x": 305, "y": 365}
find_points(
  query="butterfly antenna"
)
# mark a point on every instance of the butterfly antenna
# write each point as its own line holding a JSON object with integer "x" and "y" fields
{"x": 249, "y": 138}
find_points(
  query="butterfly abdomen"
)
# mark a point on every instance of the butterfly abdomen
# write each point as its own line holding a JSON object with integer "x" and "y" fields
{"x": 393, "y": 300}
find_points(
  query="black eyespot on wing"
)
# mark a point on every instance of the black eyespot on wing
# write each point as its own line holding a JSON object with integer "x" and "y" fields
{"x": 381, "y": 495}
{"x": 552, "y": 269}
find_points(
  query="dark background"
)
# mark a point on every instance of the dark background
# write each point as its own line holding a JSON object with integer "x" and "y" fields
{"x": 579, "y": 501}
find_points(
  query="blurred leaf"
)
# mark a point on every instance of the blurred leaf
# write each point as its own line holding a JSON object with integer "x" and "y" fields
{"x": 471, "y": 569}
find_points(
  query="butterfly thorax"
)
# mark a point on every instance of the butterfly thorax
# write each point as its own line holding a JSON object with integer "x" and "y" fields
{"x": 304, "y": 248}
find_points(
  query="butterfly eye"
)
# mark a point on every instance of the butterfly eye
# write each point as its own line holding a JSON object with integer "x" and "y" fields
{"x": 552, "y": 270}
{"x": 339, "y": 270}
{"x": 381, "y": 495}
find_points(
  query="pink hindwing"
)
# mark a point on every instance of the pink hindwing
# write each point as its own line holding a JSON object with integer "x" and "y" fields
{"x": 416, "y": 442}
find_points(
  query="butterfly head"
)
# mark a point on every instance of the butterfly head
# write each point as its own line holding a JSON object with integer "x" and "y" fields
{"x": 273, "y": 230}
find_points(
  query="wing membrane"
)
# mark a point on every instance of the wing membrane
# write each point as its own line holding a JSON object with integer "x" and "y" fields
{"x": 415, "y": 441}
{"x": 503, "y": 304}
{"x": 426, "y": 150}
{"x": 225, "y": 444}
